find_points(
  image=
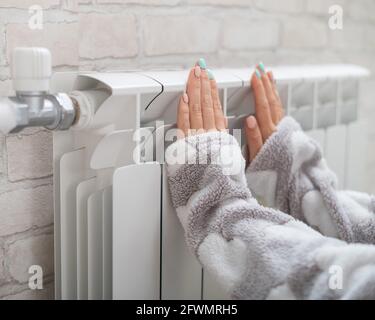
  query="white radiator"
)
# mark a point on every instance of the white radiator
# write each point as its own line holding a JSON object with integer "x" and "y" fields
{"x": 116, "y": 233}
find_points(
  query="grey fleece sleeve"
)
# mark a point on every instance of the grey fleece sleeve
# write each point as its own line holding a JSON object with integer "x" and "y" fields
{"x": 256, "y": 252}
{"x": 290, "y": 174}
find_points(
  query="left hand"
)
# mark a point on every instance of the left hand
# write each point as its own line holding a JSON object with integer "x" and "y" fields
{"x": 200, "y": 108}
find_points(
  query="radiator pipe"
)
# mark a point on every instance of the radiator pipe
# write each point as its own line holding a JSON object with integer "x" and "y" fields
{"x": 33, "y": 105}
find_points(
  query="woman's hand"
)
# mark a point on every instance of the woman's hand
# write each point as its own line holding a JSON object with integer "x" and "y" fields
{"x": 200, "y": 107}
{"x": 268, "y": 110}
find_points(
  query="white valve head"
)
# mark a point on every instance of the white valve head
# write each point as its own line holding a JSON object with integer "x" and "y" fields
{"x": 31, "y": 69}
{"x": 8, "y": 116}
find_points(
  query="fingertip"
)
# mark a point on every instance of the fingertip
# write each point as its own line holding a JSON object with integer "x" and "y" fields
{"x": 253, "y": 137}
{"x": 257, "y": 74}
{"x": 270, "y": 76}
{"x": 255, "y": 79}
{"x": 261, "y": 67}
{"x": 210, "y": 74}
{"x": 251, "y": 122}
{"x": 202, "y": 63}
{"x": 185, "y": 98}
{"x": 197, "y": 71}
{"x": 183, "y": 106}
{"x": 204, "y": 75}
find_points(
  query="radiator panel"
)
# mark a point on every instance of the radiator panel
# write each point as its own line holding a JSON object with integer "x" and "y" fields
{"x": 136, "y": 232}
{"x": 72, "y": 171}
{"x": 181, "y": 272}
{"x": 356, "y": 156}
{"x": 335, "y": 151}
{"x": 95, "y": 245}
{"x": 84, "y": 190}
{"x": 107, "y": 243}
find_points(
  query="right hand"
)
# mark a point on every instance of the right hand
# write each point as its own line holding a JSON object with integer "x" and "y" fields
{"x": 268, "y": 110}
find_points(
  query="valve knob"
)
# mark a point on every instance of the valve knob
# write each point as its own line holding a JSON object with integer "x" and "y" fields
{"x": 31, "y": 69}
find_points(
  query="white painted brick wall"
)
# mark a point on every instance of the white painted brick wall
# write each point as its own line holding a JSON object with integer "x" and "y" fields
{"x": 61, "y": 38}
{"x": 108, "y": 34}
{"x": 180, "y": 34}
{"x": 24, "y": 209}
{"x": 304, "y": 33}
{"x": 22, "y": 254}
{"x": 247, "y": 34}
{"x": 27, "y": 3}
{"x": 36, "y": 158}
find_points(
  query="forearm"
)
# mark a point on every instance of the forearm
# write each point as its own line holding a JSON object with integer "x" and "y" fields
{"x": 253, "y": 251}
{"x": 290, "y": 173}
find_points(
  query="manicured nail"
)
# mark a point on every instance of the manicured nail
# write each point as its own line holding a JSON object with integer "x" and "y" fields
{"x": 202, "y": 63}
{"x": 257, "y": 73}
{"x": 261, "y": 67}
{"x": 197, "y": 71}
{"x": 251, "y": 122}
{"x": 185, "y": 98}
{"x": 272, "y": 78}
{"x": 210, "y": 74}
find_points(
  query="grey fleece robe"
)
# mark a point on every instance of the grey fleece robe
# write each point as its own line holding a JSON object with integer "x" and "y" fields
{"x": 293, "y": 236}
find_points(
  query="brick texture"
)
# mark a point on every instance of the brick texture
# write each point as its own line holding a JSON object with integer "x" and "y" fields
{"x": 179, "y": 35}
{"x": 24, "y": 253}
{"x": 23, "y": 209}
{"x": 29, "y": 156}
{"x": 107, "y": 35}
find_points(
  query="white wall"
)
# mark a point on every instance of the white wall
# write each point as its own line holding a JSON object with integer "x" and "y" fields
{"x": 144, "y": 34}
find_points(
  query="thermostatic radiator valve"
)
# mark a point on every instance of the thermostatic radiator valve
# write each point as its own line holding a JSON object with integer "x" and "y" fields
{"x": 33, "y": 105}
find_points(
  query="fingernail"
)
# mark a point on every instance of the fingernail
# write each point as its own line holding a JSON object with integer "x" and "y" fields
{"x": 185, "y": 98}
{"x": 261, "y": 67}
{"x": 257, "y": 73}
{"x": 271, "y": 76}
{"x": 202, "y": 63}
{"x": 197, "y": 71}
{"x": 210, "y": 74}
{"x": 251, "y": 123}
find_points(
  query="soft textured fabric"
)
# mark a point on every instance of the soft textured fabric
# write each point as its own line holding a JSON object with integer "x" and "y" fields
{"x": 258, "y": 252}
{"x": 290, "y": 174}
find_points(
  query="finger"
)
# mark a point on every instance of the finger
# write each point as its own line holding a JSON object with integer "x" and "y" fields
{"x": 207, "y": 104}
{"x": 262, "y": 109}
{"x": 193, "y": 89}
{"x": 253, "y": 137}
{"x": 280, "y": 110}
{"x": 183, "y": 121}
{"x": 268, "y": 89}
{"x": 218, "y": 110}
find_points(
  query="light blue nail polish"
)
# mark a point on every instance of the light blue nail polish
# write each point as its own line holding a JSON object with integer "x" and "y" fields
{"x": 257, "y": 73}
{"x": 210, "y": 74}
{"x": 202, "y": 63}
{"x": 261, "y": 67}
